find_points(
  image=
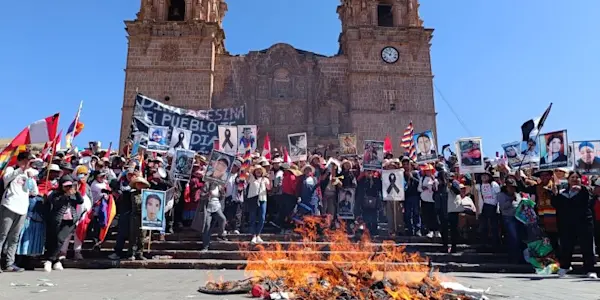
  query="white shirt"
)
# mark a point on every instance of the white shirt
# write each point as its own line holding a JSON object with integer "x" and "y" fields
{"x": 97, "y": 188}
{"x": 258, "y": 187}
{"x": 16, "y": 196}
{"x": 428, "y": 183}
{"x": 230, "y": 185}
{"x": 488, "y": 193}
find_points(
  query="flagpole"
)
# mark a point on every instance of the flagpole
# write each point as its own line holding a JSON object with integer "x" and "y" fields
{"x": 50, "y": 161}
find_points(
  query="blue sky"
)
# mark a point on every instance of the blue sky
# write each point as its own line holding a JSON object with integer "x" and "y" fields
{"x": 497, "y": 63}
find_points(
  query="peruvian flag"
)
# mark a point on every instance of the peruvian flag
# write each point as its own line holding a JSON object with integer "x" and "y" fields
{"x": 286, "y": 156}
{"x": 387, "y": 145}
{"x": 38, "y": 132}
{"x": 267, "y": 147}
{"x": 50, "y": 147}
{"x": 107, "y": 154}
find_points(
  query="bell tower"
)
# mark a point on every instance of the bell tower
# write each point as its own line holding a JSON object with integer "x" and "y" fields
{"x": 172, "y": 50}
{"x": 389, "y": 66}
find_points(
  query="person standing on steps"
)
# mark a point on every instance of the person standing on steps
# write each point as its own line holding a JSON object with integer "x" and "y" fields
{"x": 213, "y": 198}
{"x": 136, "y": 234}
{"x": 258, "y": 186}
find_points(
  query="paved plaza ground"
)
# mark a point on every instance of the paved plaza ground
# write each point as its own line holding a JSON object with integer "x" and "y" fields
{"x": 123, "y": 284}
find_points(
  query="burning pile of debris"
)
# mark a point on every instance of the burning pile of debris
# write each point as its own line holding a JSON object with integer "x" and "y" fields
{"x": 349, "y": 271}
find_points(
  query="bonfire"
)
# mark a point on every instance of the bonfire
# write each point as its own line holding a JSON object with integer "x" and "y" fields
{"x": 331, "y": 264}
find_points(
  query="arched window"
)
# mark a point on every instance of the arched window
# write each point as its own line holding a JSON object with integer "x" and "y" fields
{"x": 385, "y": 15}
{"x": 176, "y": 10}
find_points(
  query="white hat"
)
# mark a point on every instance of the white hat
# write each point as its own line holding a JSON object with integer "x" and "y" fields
{"x": 277, "y": 160}
{"x": 54, "y": 167}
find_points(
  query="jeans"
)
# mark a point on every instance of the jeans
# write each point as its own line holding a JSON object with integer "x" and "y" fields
{"x": 10, "y": 230}
{"x": 450, "y": 222}
{"x": 489, "y": 221}
{"x": 57, "y": 235}
{"x": 260, "y": 209}
{"x": 370, "y": 218}
{"x": 512, "y": 238}
{"x": 412, "y": 214}
{"x": 122, "y": 231}
{"x": 208, "y": 217}
{"x": 583, "y": 235}
{"x": 288, "y": 204}
{"x": 597, "y": 236}
{"x": 430, "y": 217}
{"x": 233, "y": 214}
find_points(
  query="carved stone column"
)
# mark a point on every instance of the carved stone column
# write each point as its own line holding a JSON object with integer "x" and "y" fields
{"x": 188, "y": 10}
{"x": 162, "y": 10}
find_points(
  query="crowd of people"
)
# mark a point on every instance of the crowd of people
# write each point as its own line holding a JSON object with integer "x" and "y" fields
{"x": 46, "y": 205}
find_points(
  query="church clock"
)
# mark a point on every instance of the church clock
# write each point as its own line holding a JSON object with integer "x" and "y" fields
{"x": 390, "y": 55}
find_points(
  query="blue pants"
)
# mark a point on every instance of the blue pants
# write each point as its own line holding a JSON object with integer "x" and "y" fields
{"x": 122, "y": 231}
{"x": 259, "y": 209}
{"x": 412, "y": 214}
{"x": 512, "y": 238}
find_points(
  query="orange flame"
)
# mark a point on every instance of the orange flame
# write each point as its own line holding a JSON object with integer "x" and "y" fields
{"x": 316, "y": 269}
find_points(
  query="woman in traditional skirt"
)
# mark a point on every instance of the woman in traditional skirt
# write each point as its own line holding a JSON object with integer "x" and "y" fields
{"x": 33, "y": 234}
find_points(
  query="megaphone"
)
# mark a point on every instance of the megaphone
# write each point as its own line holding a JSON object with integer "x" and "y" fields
{"x": 162, "y": 173}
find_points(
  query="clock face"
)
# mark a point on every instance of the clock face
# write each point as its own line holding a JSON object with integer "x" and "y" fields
{"x": 390, "y": 55}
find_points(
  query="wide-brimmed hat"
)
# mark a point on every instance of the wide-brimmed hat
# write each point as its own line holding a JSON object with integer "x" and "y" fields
{"x": 345, "y": 161}
{"x": 277, "y": 160}
{"x": 264, "y": 162}
{"x": 427, "y": 167}
{"x": 564, "y": 170}
{"x": 312, "y": 169}
{"x": 66, "y": 166}
{"x": 54, "y": 167}
{"x": 257, "y": 167}
{"x": 538, "y": 173}
{"x": 510, "y": 182}
{"x": 137, "y": 180}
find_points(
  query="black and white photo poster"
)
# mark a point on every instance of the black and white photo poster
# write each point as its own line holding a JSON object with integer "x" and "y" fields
{"x": 219, "y": 167}
{"x": 298, "y": 146}
{"x": 346, "y": 204}
{"x": 182, "y": 164}
{"x": 392, "y": 185}
{"x": 180, "y": 139}
{"x": 247, "y": 138}
{"x": 228, "y": 137}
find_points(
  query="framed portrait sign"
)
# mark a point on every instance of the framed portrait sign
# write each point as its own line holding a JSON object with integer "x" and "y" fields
{"x": 348, "y": 143}
{"x": 157, "y": 139}
{"x": 298, "y": 144}
{"x": 182, "y": 164}
{"x": 586, "y": 156}
{"x": 373, "y": 155}
{"x": 554, "y": 150}
{"x": 246, "y": 138}
{"x": 219, "y": 167}
{"x": 153, "y": 209}
{"x": 345, "y": 205}
{"x": 469, "y": 152}
{"x": 425, "y": 145}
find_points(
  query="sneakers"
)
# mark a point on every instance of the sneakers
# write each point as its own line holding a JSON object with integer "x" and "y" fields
{"x": 236, "y": 232}
{"x": 438, "y": 235}
{"x": 48, "y": 266}
{"x": 57, "y": 266}
{"x": 78, "y": 256}
{"x": 592, "y": 275}
{"x": 15, "y": 268}
{"x": 254, "y": 240}
{"x": 222, "y": 238}
{"x": 259, "y": 240}
{"x": 114, "y": 256}
{"x": 562, "y": 272}
{"x": 430, "y": 235}
{"x": 62, "y": 256}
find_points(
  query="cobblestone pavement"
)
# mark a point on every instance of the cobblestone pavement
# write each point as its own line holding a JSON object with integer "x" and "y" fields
{"x": 117, "y": 284}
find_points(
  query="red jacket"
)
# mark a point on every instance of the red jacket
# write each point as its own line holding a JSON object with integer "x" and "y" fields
{"x": 290, "y": 183}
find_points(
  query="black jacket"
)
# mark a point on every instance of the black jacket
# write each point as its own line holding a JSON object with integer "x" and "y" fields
{"x": 575, "y": 213}
{"x": 60, "y": 202}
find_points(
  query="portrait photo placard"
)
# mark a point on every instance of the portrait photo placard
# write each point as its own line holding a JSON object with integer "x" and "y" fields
{"x": 425, "y": 144}
{"x": 512, "y": 151}
{"x": 345, "y": 207}
{"x": 348, "y": 144}
{"x": 228, "y": 135}
{"x": 157, "y": 139}
{"x": 182, "y": 164}
{"x": 554, "y": 149}
{"x": 298, "y": 143}
{"x": 246, "y": 138}
{"x": 587, "y": 157}
{"x": 469, "y": 152}
{"x": 531, "y": 152}
{"x": 373, "y": 155}
{"x": 153, "y": 209}
{"x": 219, "y": 167}
{"x": 392, "y": 183}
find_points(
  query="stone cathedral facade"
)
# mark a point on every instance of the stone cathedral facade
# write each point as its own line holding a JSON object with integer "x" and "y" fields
{"x": 380, "y": 80}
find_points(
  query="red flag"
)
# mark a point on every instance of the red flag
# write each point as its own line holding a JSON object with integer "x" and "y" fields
{"x": 107, "y": 154}
{"x": 286, "y": 156}
{"x": 216, "y": 145}
{"x": 387, "y": 145}
{"x": 267, "y": 147}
